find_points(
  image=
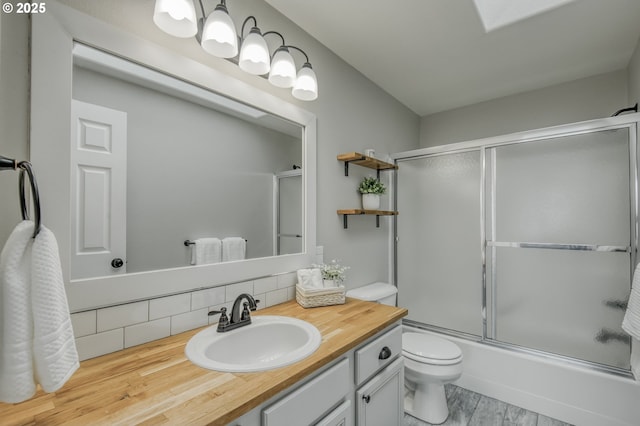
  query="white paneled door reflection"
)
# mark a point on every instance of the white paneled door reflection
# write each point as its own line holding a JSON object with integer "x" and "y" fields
{"x": 99, "y": 194}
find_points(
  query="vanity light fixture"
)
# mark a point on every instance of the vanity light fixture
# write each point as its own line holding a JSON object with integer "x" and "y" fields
{"x": 217, "y": 36}
{"x": 176, "y": 17}
{"x": 254, "y": 53}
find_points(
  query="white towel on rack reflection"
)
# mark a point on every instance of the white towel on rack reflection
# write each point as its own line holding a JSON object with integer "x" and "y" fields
{"x": 631, "y": 322}
{"x": 206, "y": 250}
{"x": 37, "y": 342}
{"x": 233, "y": 248}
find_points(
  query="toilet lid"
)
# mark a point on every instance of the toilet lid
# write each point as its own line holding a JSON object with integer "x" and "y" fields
{"x": 431, "y": 347}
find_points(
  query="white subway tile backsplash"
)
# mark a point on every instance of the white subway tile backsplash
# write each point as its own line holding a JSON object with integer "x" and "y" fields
{"x": 189, "y": 321}
{"x": 287, "y": 280}
{"x": 265, "y": 284}
{"x": 123, "y": 315}
{"x": 84, "y": 323}
{"x": 167, "y": 306}
{"x": 261, "y": 300}
{"x": 276, "y": 297}
{"x": 107, "y": 330}
{"x": 100, "y": 344}
{"x": 147, "y": 332}
{"x": 235, "y": 290}
{"x": 205, "y": 298}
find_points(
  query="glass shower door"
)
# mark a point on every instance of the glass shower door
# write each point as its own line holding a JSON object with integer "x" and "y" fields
{"x": 438, "y": 255}
{"x": 558, "y": 250}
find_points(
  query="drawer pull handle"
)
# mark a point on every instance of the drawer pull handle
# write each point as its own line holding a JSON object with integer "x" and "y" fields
{"x": 366, "y": 398}
{"x": 385, "y": 353}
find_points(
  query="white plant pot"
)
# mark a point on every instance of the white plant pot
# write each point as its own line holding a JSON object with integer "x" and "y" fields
{"x": 371, "y": 201}
{"x": 329, "y": 283}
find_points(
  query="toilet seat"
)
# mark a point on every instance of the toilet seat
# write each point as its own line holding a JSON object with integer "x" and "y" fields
{"x": 429, "y": 349}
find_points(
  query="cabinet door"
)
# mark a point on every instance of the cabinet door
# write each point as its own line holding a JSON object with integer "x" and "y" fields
{"x": 338, "y": 417}
{"x": 380, "y": 400}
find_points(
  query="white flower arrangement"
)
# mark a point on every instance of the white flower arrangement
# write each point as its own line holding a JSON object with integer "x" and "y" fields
{"x": 332, "y": 271}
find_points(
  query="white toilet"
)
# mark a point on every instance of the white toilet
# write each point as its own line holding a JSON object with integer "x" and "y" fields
{"x": 429, "y": 362}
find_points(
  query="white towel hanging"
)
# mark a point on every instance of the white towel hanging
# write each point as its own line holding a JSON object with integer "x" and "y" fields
{"x": 631, "y": 322}
{"x": 206, "y": 250}
{"x": 233, "y": 248}
{"x": 37, "y": 342}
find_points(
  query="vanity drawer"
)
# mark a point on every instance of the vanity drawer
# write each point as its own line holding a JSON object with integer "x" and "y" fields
{"x": 307, "y": 403}
{"x": 378, "y": 354}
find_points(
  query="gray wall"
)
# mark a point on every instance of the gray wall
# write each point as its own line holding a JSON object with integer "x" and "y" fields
{"x": 191, "y": 172}
{"x": 579, "y": 100}
{"x": 14, "y": 81}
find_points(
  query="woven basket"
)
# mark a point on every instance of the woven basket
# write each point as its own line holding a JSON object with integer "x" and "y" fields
{"x": 311, "y": 298}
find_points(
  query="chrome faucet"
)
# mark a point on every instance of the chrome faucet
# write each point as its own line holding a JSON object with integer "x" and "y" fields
{"x": 238, "y": 319}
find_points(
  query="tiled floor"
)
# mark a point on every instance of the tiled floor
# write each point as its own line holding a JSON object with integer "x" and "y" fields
{"x": 468, "y": 408}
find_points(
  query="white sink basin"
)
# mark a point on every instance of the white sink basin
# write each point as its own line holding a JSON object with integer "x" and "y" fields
{"x": 268, "y": 342}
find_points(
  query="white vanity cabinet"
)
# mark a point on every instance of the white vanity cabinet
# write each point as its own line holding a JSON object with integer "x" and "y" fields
{"x": 363, "y": 387}
{"x": 380, "y": 372}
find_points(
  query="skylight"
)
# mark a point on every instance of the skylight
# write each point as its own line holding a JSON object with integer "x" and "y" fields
{"x": 500, "y": 13}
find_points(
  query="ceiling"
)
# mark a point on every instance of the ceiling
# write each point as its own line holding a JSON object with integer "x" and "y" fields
{"x": 435, "y": 55}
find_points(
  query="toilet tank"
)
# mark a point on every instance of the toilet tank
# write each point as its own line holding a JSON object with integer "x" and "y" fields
{"x": 380, "y": 292}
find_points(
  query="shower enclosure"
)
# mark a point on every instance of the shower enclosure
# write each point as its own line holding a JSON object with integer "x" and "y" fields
{"x": 526, "y": 241}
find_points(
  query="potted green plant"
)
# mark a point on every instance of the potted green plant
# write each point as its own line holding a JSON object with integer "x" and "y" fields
{"x": 371, "y": 189}
{"x": 333, "y": 274}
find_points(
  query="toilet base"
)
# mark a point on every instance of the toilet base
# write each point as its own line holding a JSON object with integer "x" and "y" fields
{"x": 432, "y": 403}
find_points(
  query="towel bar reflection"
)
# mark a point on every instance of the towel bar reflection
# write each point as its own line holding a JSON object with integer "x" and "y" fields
{"x": 25, "y": 167}
{"x": 188, "y": 243}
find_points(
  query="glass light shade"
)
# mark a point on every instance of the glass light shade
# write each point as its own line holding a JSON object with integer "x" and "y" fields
{"x": 219, "y": 36}
{"x": 176, "y": 17}
{"x": 306, "y": 85}
{"x": 283, "y": 68}
{"x": 254, "y": 54}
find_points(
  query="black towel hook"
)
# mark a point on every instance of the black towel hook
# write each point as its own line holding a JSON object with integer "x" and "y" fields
{"x": 25, "y": 166}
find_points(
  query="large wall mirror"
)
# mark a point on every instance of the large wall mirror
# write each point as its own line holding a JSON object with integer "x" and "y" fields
{"x": 142, "y": 152}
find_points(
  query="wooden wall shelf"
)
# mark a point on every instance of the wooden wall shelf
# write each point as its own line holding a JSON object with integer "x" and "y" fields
{"x": 364, "y": 161}
{"x": 349, "y": 212}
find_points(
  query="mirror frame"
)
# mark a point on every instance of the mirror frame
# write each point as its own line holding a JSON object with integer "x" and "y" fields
{"x": 53, "y": 35}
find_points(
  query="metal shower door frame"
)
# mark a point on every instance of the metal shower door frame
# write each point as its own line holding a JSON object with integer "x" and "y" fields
{"x": 486, "y": 147}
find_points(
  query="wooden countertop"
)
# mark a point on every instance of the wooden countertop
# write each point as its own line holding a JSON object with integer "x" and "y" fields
{"x": 155, "y": 383}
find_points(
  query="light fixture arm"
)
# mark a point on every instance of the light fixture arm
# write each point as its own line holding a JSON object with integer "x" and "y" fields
{"x": 255, "y": 25}
{"x": 301, "y": 51}
{"x": 277, "y": 33}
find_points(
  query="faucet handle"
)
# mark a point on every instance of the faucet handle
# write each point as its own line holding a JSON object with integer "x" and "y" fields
{"x": 224, "y": 319}
{"x": 246, "y": 316}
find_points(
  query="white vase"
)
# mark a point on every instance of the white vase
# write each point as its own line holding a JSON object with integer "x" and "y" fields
{"x": 329, "y": 283}
{"x": 371, "y": 201}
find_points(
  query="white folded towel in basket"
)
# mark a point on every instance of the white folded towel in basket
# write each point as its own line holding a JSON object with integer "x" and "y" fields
{"x": 36, "y": 343}
{"x": 631, "y": 323}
